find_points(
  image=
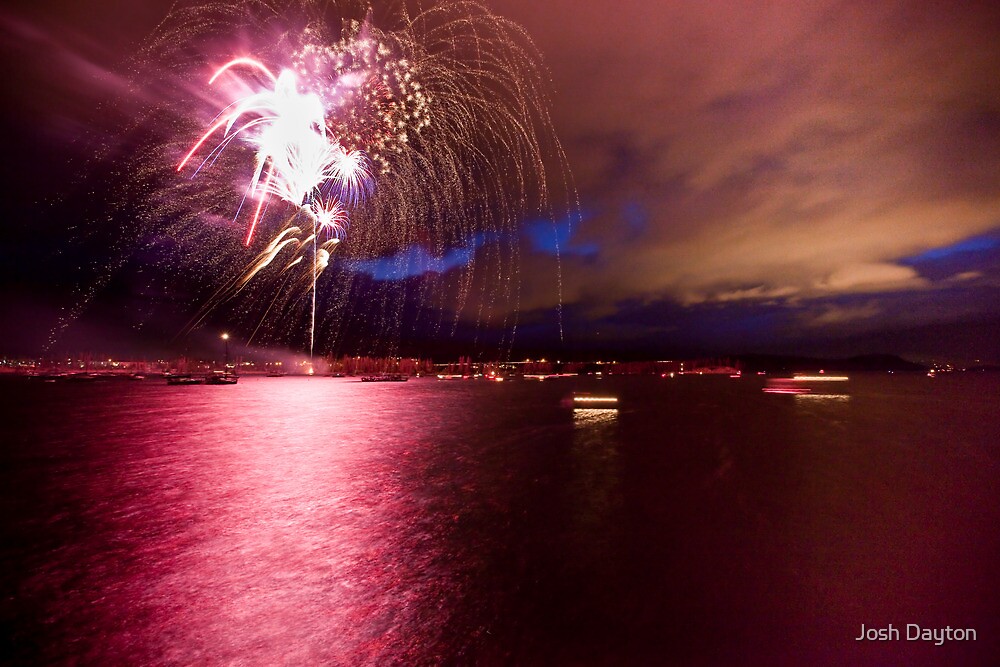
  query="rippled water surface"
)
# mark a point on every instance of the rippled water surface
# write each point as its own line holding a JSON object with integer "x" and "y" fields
{"x": 328, "y": 521}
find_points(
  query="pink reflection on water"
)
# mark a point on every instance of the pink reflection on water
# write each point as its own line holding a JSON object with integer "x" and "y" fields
{"x": 284, "y": 531}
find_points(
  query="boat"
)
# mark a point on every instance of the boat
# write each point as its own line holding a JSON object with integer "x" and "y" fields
{"x": 222, "y": 377}
{"x": 80, "y": 377}
{"x": 542, "y": 377}
{"x": 587, "y": 401}
{"x": 48, "y": 377}
{"x": 184, "y": 380}
{"x": 394, "y": 377}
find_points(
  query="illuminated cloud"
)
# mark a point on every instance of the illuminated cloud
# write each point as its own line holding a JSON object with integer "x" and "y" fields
{"x": 780, "y": 154}
{"x": 872, "y": 277}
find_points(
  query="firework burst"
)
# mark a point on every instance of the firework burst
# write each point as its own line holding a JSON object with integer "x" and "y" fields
{"x": 423, "y": 133}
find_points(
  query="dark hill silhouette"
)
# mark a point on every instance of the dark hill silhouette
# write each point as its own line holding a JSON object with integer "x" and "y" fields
{"x": 788, "y": 364}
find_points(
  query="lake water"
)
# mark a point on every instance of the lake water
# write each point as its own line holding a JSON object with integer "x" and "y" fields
{"x": 328, "y": 521}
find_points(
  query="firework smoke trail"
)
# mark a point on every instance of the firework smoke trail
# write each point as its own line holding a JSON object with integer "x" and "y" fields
{"x": 311, "y": 119}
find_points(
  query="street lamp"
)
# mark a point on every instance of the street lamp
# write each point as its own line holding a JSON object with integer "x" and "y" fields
{"x": 225, "y": 337}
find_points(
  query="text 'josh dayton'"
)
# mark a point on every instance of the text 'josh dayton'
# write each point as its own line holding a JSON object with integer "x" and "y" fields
{"x": 916, "y": 633}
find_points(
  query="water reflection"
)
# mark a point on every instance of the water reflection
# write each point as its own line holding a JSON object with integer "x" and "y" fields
{"x": 270, "y": 522}
{"x": 304, "y": 532}
{"x": 321, "y": 521}
{"x": 594, "y": 490}
{"x": 589, "y": 417}
{"x": 809, "y": 386}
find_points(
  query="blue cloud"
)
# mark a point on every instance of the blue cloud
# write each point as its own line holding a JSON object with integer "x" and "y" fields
{"x": 416, "y": 260}
{"x": 975, "y": 244}
{"x": 636, "y": 217}
{"x": 974, "y": 255}
{"x": 556, "y": 238}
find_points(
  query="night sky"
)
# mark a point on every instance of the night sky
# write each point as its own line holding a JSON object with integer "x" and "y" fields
{"x": 786, "y": 177}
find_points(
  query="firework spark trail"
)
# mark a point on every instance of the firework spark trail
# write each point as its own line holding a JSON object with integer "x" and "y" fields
{"x": 260, "y": 205}
{"x": 292, "y": 143}
{"x": 444, "y": 110}
{"x": 256, "y": 64}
